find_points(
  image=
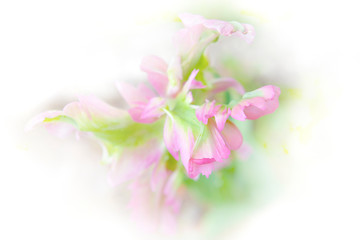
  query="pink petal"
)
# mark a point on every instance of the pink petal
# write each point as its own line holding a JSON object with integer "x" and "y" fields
{"x": 191, "y": 82}
{"x": 222, "y": 27}
{"x": 232, "y": 136}
{"x": 136, "y": 114}
{"x": 212, "y": 147}
{"x": 187, "y": 40}
{"x": 145, "y": 107}
{"x": 242, "y": 30}
{"x": 221, "y": 116}
{"x": 204, "y": 169}
{"x": 156, "y": 69}
{"x": 153, "y": 108}
{"x": 206, "y": 111}
{"x": 178, "y": 139}
{"x": 134, "y": 95}
{"x": 222, "y": 84}
{"x": 90, "y": 112}
{"x": 238, "y": 113}
{"x": 257, "y": 103}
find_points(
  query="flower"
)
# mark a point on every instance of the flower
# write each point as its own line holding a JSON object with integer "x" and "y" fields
{"x": 124, "y": 142}
{"x": 257, "y": 103}
{"x": 200, "y": 32}
{"x": 178, "y": 125}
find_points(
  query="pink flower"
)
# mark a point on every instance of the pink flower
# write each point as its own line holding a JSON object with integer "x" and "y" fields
{"x": 198, "y": 141}
{"x": 145, "y": 105}
{"x": 257, "y": 103}
{"x": 214, "y": 149}
{"x": 199, "y": 33}
{"x": 87, "y": 114}
{"x": 208, "y": 110}
{"x": 245, "y": 31}
{"x": 93, "y": 117}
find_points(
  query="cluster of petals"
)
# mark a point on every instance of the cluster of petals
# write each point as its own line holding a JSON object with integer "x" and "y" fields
{"x": 162, "y": 120}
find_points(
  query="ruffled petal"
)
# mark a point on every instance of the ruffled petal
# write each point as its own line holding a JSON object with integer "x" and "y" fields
{"x": 206, "y": 111}
{"x": 210, "y": 145}
{"x": 204, "y": 169}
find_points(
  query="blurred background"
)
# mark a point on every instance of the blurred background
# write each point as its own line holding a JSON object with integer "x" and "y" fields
{"x": 51, "y": 51}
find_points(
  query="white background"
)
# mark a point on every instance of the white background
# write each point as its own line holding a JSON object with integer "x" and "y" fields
{"x": 50, "y": 51}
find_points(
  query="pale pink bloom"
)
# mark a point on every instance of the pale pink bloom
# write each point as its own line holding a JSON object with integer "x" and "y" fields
{"x": 198, "y": 153}
{"x": 244, "y": 31}
{"x": 145, "y": 105}
{"x": 257, "y": 103}
{"x": 199, "y": 33}
{"x": 211, "y": 154}
{"x": 91, "y": 116}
